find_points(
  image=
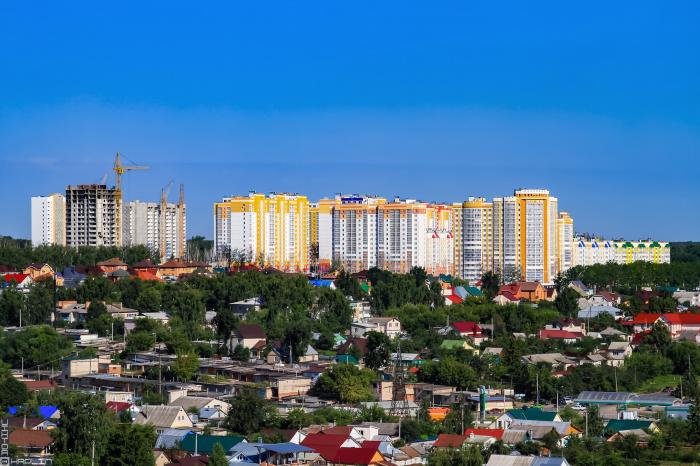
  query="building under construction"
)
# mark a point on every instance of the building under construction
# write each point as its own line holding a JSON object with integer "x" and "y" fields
{"x": 160, "y": 226}
{"x": 92, "y": 215}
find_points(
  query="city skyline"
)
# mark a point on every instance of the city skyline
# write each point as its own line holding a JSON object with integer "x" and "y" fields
{"x": 438, "y": 104}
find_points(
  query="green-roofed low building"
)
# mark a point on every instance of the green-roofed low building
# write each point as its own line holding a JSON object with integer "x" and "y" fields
{"x": 346, "y": 359}
{"x": 617, "y": 425}
{"x": 474, "y": 291}
{"x": 204, "y": 444}
{"x": 533, "y": 414}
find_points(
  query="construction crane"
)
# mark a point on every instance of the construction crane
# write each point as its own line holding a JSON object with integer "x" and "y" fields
{"x": 162, "y": 224}
{"x": 120, "y": 169}
{"x": 182, "y": 242}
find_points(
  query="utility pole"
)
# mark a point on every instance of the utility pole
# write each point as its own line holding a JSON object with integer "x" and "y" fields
{"x": 538, "y": 388}
{"x": 92, "y": 461}
{"x": 586, "y": 422}
{"x": 615, "y": 370}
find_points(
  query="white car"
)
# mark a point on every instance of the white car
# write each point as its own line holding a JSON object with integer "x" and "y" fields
{"x": 578, "y": 407}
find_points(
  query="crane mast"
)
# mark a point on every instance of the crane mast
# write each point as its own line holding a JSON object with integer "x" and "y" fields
{"x": 119, "y": 170}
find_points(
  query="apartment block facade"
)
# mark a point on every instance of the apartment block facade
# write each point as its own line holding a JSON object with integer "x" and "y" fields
{"x": 439, "y": 238}
{"x": 473, "y": 233}
{"x": 93, "y": 213}
{"x": 272, "y": 231}
{"x": 142, "y": 223}
{"x": 48, "y": 214}
{"x": 355, "y": 223}
{"x": 591, "y": 251}
{"x": 401, "y": 235}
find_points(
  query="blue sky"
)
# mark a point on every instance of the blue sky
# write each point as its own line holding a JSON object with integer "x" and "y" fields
{"x": 597, "y": 101}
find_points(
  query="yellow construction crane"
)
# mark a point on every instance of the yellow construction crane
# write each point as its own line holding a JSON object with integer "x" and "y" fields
{"x": 120, "y": 169}
{"x": 162, "y": 225}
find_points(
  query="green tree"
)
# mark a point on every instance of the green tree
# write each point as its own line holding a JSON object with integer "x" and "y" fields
{"x": 84, "y": 423}
{"x": 185, "y": 366}
{"x": 595, "y": 422}
{"x": 71, "y": 459}
{"x": 469, "y": 456}
{"x": 12, "y": 303}
{"x": 226, "y": 322}
{"x": 130, "y": 444}
{"x": 38, "y": 346}
{"x": 346, "y": 383}
{"x": 694, "y": 421}
{"x": 566, "y": 301}
{"x": 248, "y": 413}
{"x": 241, "y": 353}
{"x": 12, "y": 391}
{"x": 378, "y": 350}
{"x": 490, "y": 283}
{"x": 96, "y": 309}
{"x": 139, "y": 341}
{"x": 659, "y": 339}
{"x": 449, "y": 371}
{"x": 218, "y": 456}
{"x": 40, "y": 303}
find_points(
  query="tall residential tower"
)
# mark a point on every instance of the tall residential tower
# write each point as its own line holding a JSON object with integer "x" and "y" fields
{"x": 91, "y": 215}
{"x": 49, "y": 220}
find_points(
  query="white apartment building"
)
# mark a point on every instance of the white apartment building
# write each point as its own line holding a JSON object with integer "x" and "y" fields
{"x": 401, "y": 235}
{"x": 49, "y": 220}
{"x": 270, "y": 231}
{"x": 566, "y": 241}
{"x": 439, "y": 248}
{"x": 142, "y": 226}
{"x": 600, "y": 251}
{"x": 474, "y": 238}
{"x": 355, "y": 232}
{"x": 321, "y": 229}
{"x": 506, "y": 237}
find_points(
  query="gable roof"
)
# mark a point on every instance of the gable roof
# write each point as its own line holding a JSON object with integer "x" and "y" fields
{"x": 31, "y": 438}
{"x": 643, "y": 318}
{"x": 364, "y": 455}
{"x": 531, "y": 414}
{"x": 682, "y": 319}
{"x": 21, "y": 422}
{"x": 616, "y": 425}
{"x": 187, "y": 402}
{"x": 251, "y": 331}
{"x": 159, "y": 415}
{"x": 495, "y": 433}
{"x": 118, "y": 406}
{"x": 557, "y": 334}
{"x": 466, "y": 327}
{"x": 113, "y": 262}
{"x": 450, "y": 441}
{"x": 205, "y": 443}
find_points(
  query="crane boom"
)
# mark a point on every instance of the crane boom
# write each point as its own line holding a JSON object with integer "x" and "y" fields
{"x": 119, "y": 170}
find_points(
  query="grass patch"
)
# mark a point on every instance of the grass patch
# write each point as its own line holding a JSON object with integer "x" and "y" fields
{"x": 658, "y": 383}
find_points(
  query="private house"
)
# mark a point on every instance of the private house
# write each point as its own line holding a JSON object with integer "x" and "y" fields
{"x": 616, "y": 425}
{"x": 39, "y": 271}
{"x": 579, "y": 287}
{"x": 617, "y": 352}
{"x": 556, "y": 334}
{"x": 163, "y": 417}
{"x": 205, "y": 443}
{"x": 642, "y": 322}
{"x": 505, "y": 420}
{"x": 198, "y": 403}
{"x": 243, "y": 307}
{"x": 592, "y": 312}
{"x": 390, "y": 326}
{"x": 111, "y": 265}
{"x": 455, "y": 441}
{"x": 177, "y": 268}
{"x": 558, "y": 361}
{"x": 30, "y": 423}
{"x": 471, "y": 330}
{"x": 518, "y": 460}
{"x": 504, "y": 298}
{"x": 32, "y": 442}
{"x": 21, "y": 281}
{"x": 681, "y": 323}
{"x": 529, "y": 291}
{"x": 248, "y": 335}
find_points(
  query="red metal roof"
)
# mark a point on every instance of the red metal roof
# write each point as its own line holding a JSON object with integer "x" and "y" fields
{"x": 495, "y": 433}
{"x": 17, "y": 277}
{"x": 643, "y": 318}
{"x": 118, "y": 406}
{"x": 454, "y": 298}
{"x": 467, "y": 327}
{"x": 682, "y": 319}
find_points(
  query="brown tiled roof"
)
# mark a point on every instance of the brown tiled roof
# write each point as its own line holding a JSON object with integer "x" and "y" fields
{"x": 251, "y": 331}
{"x": 450, "y": 441}
{"x": 39, "y": 384}
{"x": 31, "y": 438}
{"x": 114, "y": 261}
{"x": 529, "y": 286}
{"x": 21, "y": 422}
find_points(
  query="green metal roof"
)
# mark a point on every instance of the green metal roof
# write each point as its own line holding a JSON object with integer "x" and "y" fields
{"x": 365, "y": 287}
{"x": 346, "y": 359}
{"x": 452, "y": 344}
{"x": 205, "y": 443}
{"x": 474, "y": 291}
{"x": 532, "y": 414}
{"x": 616, "y": 425}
